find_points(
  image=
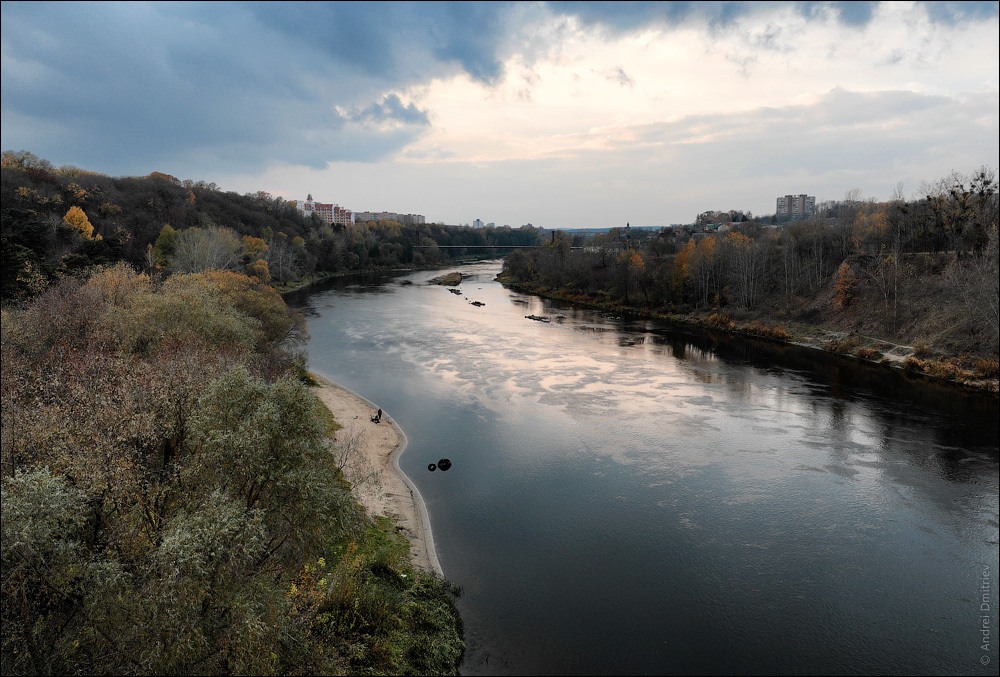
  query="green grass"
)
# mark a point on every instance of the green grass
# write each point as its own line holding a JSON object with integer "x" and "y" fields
{"x": 366, "y": 602}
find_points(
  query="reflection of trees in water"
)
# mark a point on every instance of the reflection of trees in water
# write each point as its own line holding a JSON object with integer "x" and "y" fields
{"x": 959, "y": 452}
{"x": 912, "y": 415}
{"x": 958, "y": 417}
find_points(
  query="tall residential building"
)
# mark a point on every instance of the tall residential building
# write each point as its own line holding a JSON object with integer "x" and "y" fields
{"x": 792, "y": 207}
{"x": 328, "y": 212}
{"x": 342, "y": 216}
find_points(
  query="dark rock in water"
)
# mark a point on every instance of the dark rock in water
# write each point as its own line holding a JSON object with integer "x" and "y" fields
{"x": 431, "y": 467}
{"x": 538, "y": 318}
{"x": 478, "y": 303}
{"x": 444, "y": 464}
{"x": 455, "y": 291}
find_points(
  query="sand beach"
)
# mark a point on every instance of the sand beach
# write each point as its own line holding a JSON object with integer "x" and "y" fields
{"x": 369, "y": 453}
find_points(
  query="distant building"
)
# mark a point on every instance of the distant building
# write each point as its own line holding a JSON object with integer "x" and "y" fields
{"x": 478, "y": 223}
{"x": 793, "y": 207}
{"x": 403, "y": 219}
{"x": 329, "y": 213}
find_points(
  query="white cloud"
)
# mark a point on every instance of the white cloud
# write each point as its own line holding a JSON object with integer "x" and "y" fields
{"x": 572, "y": 95}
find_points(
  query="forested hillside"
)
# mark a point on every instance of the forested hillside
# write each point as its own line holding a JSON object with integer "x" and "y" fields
{"x": 171, "y": 504}
{"x": 57, "y": 222}
{"x": 915, "y": 281}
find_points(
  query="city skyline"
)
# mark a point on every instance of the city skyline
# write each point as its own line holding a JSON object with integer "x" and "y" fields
{"x": 559, "y": 114}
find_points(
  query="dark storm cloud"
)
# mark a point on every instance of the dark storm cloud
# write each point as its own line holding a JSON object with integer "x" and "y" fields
{"x": 130, "y": 86}
{"x": 855, "y": 13}
{"x": 376, "y": 37}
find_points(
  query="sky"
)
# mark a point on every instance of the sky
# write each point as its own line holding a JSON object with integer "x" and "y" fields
{"x": 559, "y": 114}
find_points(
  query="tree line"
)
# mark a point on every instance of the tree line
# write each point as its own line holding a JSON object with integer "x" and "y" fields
{"x": 57, "y": 222}
{"x": 880, "y": 261}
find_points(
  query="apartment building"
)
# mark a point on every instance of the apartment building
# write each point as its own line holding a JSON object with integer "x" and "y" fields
{"x": 404, "y": 219}
{"x": 792, "y": 207}
{"x": 329, "y": 212}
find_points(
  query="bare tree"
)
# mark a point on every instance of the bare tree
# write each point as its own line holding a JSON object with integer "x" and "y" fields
{"x": 879, "y": 237}
{"x": 747, "y": 258}
{"x": 364, "y": 476}
{"x": 199, "y": 249}
{"x": 976, "y": 280}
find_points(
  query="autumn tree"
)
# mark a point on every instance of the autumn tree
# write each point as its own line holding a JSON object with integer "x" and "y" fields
{"x": 77, "y": 219}
{"x": 632, "y": 266}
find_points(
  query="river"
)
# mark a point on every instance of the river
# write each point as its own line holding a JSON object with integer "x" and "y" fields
{"x": 630, "y": 498}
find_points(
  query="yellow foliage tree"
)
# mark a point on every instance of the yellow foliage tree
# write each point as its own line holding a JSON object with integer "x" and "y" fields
{"x": 78, "y": 191}
{"x": 682, "y": 264}
{"x": 253, "y": 247}
{"x": 77, "y": 218}
{"x": 846, "y": 286}
{"x": 258, "y": 269}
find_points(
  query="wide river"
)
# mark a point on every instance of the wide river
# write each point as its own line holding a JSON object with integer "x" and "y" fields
{"x": 628, "y": 498}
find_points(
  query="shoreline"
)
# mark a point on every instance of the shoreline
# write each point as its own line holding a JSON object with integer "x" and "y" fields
{"x": 382, "y": 487}
{"x": 813, "y": 337}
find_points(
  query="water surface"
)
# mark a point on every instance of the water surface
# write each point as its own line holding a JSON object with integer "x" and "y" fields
{"x": 628, "y": 498}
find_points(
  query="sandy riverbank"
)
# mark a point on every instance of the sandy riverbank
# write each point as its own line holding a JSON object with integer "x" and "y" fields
{"x": 369, "y": 453}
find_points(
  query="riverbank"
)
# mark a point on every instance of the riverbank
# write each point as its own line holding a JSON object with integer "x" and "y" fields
{"x": 967, "y": 371}
{"x": 370, "y": 456}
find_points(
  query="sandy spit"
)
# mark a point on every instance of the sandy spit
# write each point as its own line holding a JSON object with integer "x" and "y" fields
{"x": 369, "y": 453}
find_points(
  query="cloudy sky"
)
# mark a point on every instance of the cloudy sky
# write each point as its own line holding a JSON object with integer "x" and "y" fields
{"x": 561, "y": 114}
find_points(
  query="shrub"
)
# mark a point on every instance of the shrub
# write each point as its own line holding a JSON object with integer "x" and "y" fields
{"x": 758, "y": 328}
{"x": 721, "y": 321}
{"x": 868, "y": 354}
{"x": 939, "y": 369}
{"x": 987, "y": 367}
{"x": 845, "y": 347}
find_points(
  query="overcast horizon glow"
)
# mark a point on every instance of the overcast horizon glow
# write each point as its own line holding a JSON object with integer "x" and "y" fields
{"x": 558, "y": 114}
